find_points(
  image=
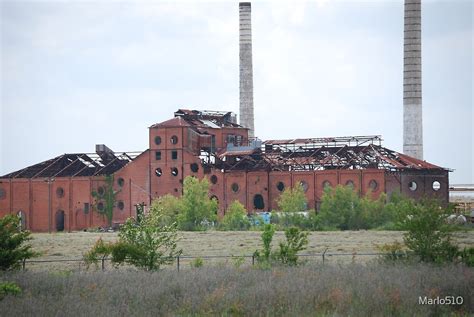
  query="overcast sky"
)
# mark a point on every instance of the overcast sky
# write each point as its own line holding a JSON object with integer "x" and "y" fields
{"x": 75, "y": 74}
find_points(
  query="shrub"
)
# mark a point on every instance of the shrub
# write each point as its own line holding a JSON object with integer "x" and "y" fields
{"x": 196, "y": 207}
{"x": 13, "y": 243}
{"x": 100, "y": 251}
{"x": 427, "y": 233}
{"x": 467, "y": 256}
{"x": 263, "y": 256}
{"x": 295, "y": 241}
{"x": 395, "y": 251}
{"x": 293, "y": 199}
{"x": 292, "y": 219}
{"x": 197, "y": 263}
{"x": 235, "y": 218}
{"x": 9, "y": 288}
{"x": 165, "y": 210}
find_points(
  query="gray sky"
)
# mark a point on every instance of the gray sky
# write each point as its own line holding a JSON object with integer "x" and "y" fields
{"x": 74, "y": 74}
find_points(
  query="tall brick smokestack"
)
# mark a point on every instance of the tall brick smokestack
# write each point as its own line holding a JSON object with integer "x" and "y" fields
{"x": 412, "y": 110}
{"x": 246, "y": 73}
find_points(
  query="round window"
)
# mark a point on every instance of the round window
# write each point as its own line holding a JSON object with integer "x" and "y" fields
{"x": 174, "y": 171}
{"x": 101, "y": 191}
{"x": 194, "y": 167}
{"x": 304, "y": 185}
{"x": 350, "y": 184}
{"x": 3, "y": 194}
{"x": 157, "y": 140}
{"x": 280, "y": 186}
{"x": 60, "y": 192}
{"x": 373, "y": 185}
{"x": 120, "y": 182}
{"x": 436, "y": 185}
{"x": 235, "y": 187}
{"x": 158, "y": 172}
{"x": 120, "y": 205}
{"x": 214, "y": 179}
{"x": 174, "y": 139}
{"x": 412, "y": 186}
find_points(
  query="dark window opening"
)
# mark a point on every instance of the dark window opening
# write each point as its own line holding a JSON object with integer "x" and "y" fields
{"x": 235, "y": 187}
{"x": 350, "y": 184}
{"x": 412, "y": 186}
{"x": 60, "y": 192}
{"x": 121, "y": 182}
{"x": 157, "y": 140}
{"x": 86, "y": 208}
{"x": 158, "y": 172}
{"x": 373, "y": 185}
{"x": 60, "y": 220}
{"x": 304, "y": 185}
{"x": 3, "y": 193}
{"x": 194, "y": 167}
{"x": 174, "y": 171}
{"x": 22, "y": 216}
{"x": 280, "y": 186}
{"x": 174, "y": 139}
{"x": 120, "y": 205}
{"x": 214, "y": 179}
{"x": 174, "y": 155}
{"x": 158, "y": 155}
{"x": 100, "y": 206}
{"x": 217, "y": 199}
{"x": 258, "y": 202}
{"x": 101, "y": 191}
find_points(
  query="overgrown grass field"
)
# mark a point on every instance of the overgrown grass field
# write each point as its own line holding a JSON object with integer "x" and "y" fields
{"x": 311, "y": 290}
{"x": 60, "y": 246}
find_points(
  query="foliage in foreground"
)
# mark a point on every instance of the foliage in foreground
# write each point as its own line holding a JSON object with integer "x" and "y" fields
{"x": 13, "y": 243}
{"x": 9, "y": 288}
{"x": 349, "y": 290}
{"x": 143, "y": 243}
{"x": 293, "y": 199}
{"x": 235, "y": 218}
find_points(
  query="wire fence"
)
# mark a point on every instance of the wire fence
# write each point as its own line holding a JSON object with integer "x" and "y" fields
{"x": 181, "y": 261}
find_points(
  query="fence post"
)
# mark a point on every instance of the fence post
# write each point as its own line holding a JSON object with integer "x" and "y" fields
{"x": 324, "y": 254}
{"x": 103, "y": 264}
{"x": 177, "y": 262}
{"x": 24, "y": 264}
{"x": 253, "y": 259}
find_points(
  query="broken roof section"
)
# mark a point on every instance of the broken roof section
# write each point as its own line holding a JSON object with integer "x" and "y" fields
{"x": 201, "y": 119}
{"x": 79, "y": 164}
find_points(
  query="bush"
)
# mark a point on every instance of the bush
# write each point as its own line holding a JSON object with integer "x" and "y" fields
{"x": 100, "y": 251}
{"x": 13, "y": 243}
{"x": 235, "y": 218}
{"x": 292, "y": 219}
{"x": 263, "y": 256}
{"x": 196, "y": 207}
{"x": 295, "y": 241}
{"x": 395, "y": 251}
{"x": 427, "y": 233}
{"x": 293, "y": 199}
{"x": 197, "y": 263}
{"x": 9, "y": 288}
{"x": 165, "y": 210}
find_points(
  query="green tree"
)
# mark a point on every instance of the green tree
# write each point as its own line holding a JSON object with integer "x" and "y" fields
{"x": 296, "y": 241}
{"x": 263, "y": 256}
{"x": 427, "y": 233}
{"x": 196, "y": 207}
{"x": 165, "y": 209}
{"x": 340, "y": 208}
{"x": 293, "y": 199}
{"x": 235, "y": 217}
{"x": 13, "y": 243}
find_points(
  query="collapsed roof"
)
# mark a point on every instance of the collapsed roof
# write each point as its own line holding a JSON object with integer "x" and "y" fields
{"x": 201, "y": 119}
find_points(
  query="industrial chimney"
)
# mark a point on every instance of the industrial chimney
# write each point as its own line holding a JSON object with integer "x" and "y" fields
{"x": 412, "y": 110}
{"x": 246, "y": 73}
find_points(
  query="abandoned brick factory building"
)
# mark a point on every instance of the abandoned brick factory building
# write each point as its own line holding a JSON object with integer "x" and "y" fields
{"x": 57, "y": 194}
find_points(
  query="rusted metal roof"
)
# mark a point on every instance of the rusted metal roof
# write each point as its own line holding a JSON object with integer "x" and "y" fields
{"x": 201, "y": 119}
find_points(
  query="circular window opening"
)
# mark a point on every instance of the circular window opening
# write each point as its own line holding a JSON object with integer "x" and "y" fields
{"x": 258, "y": 202}
{"x": 174, "y": 171}
{"x": 373, "y": 185}
{"x": 174, "y": 139}
{"x": 235, "y": 187}
{"x": 3, "y": 194}
{"x": 436, "y": 185}
{"x": 157, "y": 140}
{"x": 350, "y": 184}
{"x": 120, "y": 182}
{"x": 281, "y": 186}
{"x": 194, "y": 167}
{"x": 100, "y": 206}
{"x": 121, "y": 205}
{"x": 158, "y": 172}
{"x": 101, "y": 191}
{"x": 214, "y": 179}
{"x": 60, "y": 192}
{"x": 304, "y": 185}
{"x": 412, "y": 186}
{"x": 326, "y": 184}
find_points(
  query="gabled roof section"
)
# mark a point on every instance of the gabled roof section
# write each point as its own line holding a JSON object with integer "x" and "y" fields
{"x": 201, "y": 119}
{"x": 79, "y": 164}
